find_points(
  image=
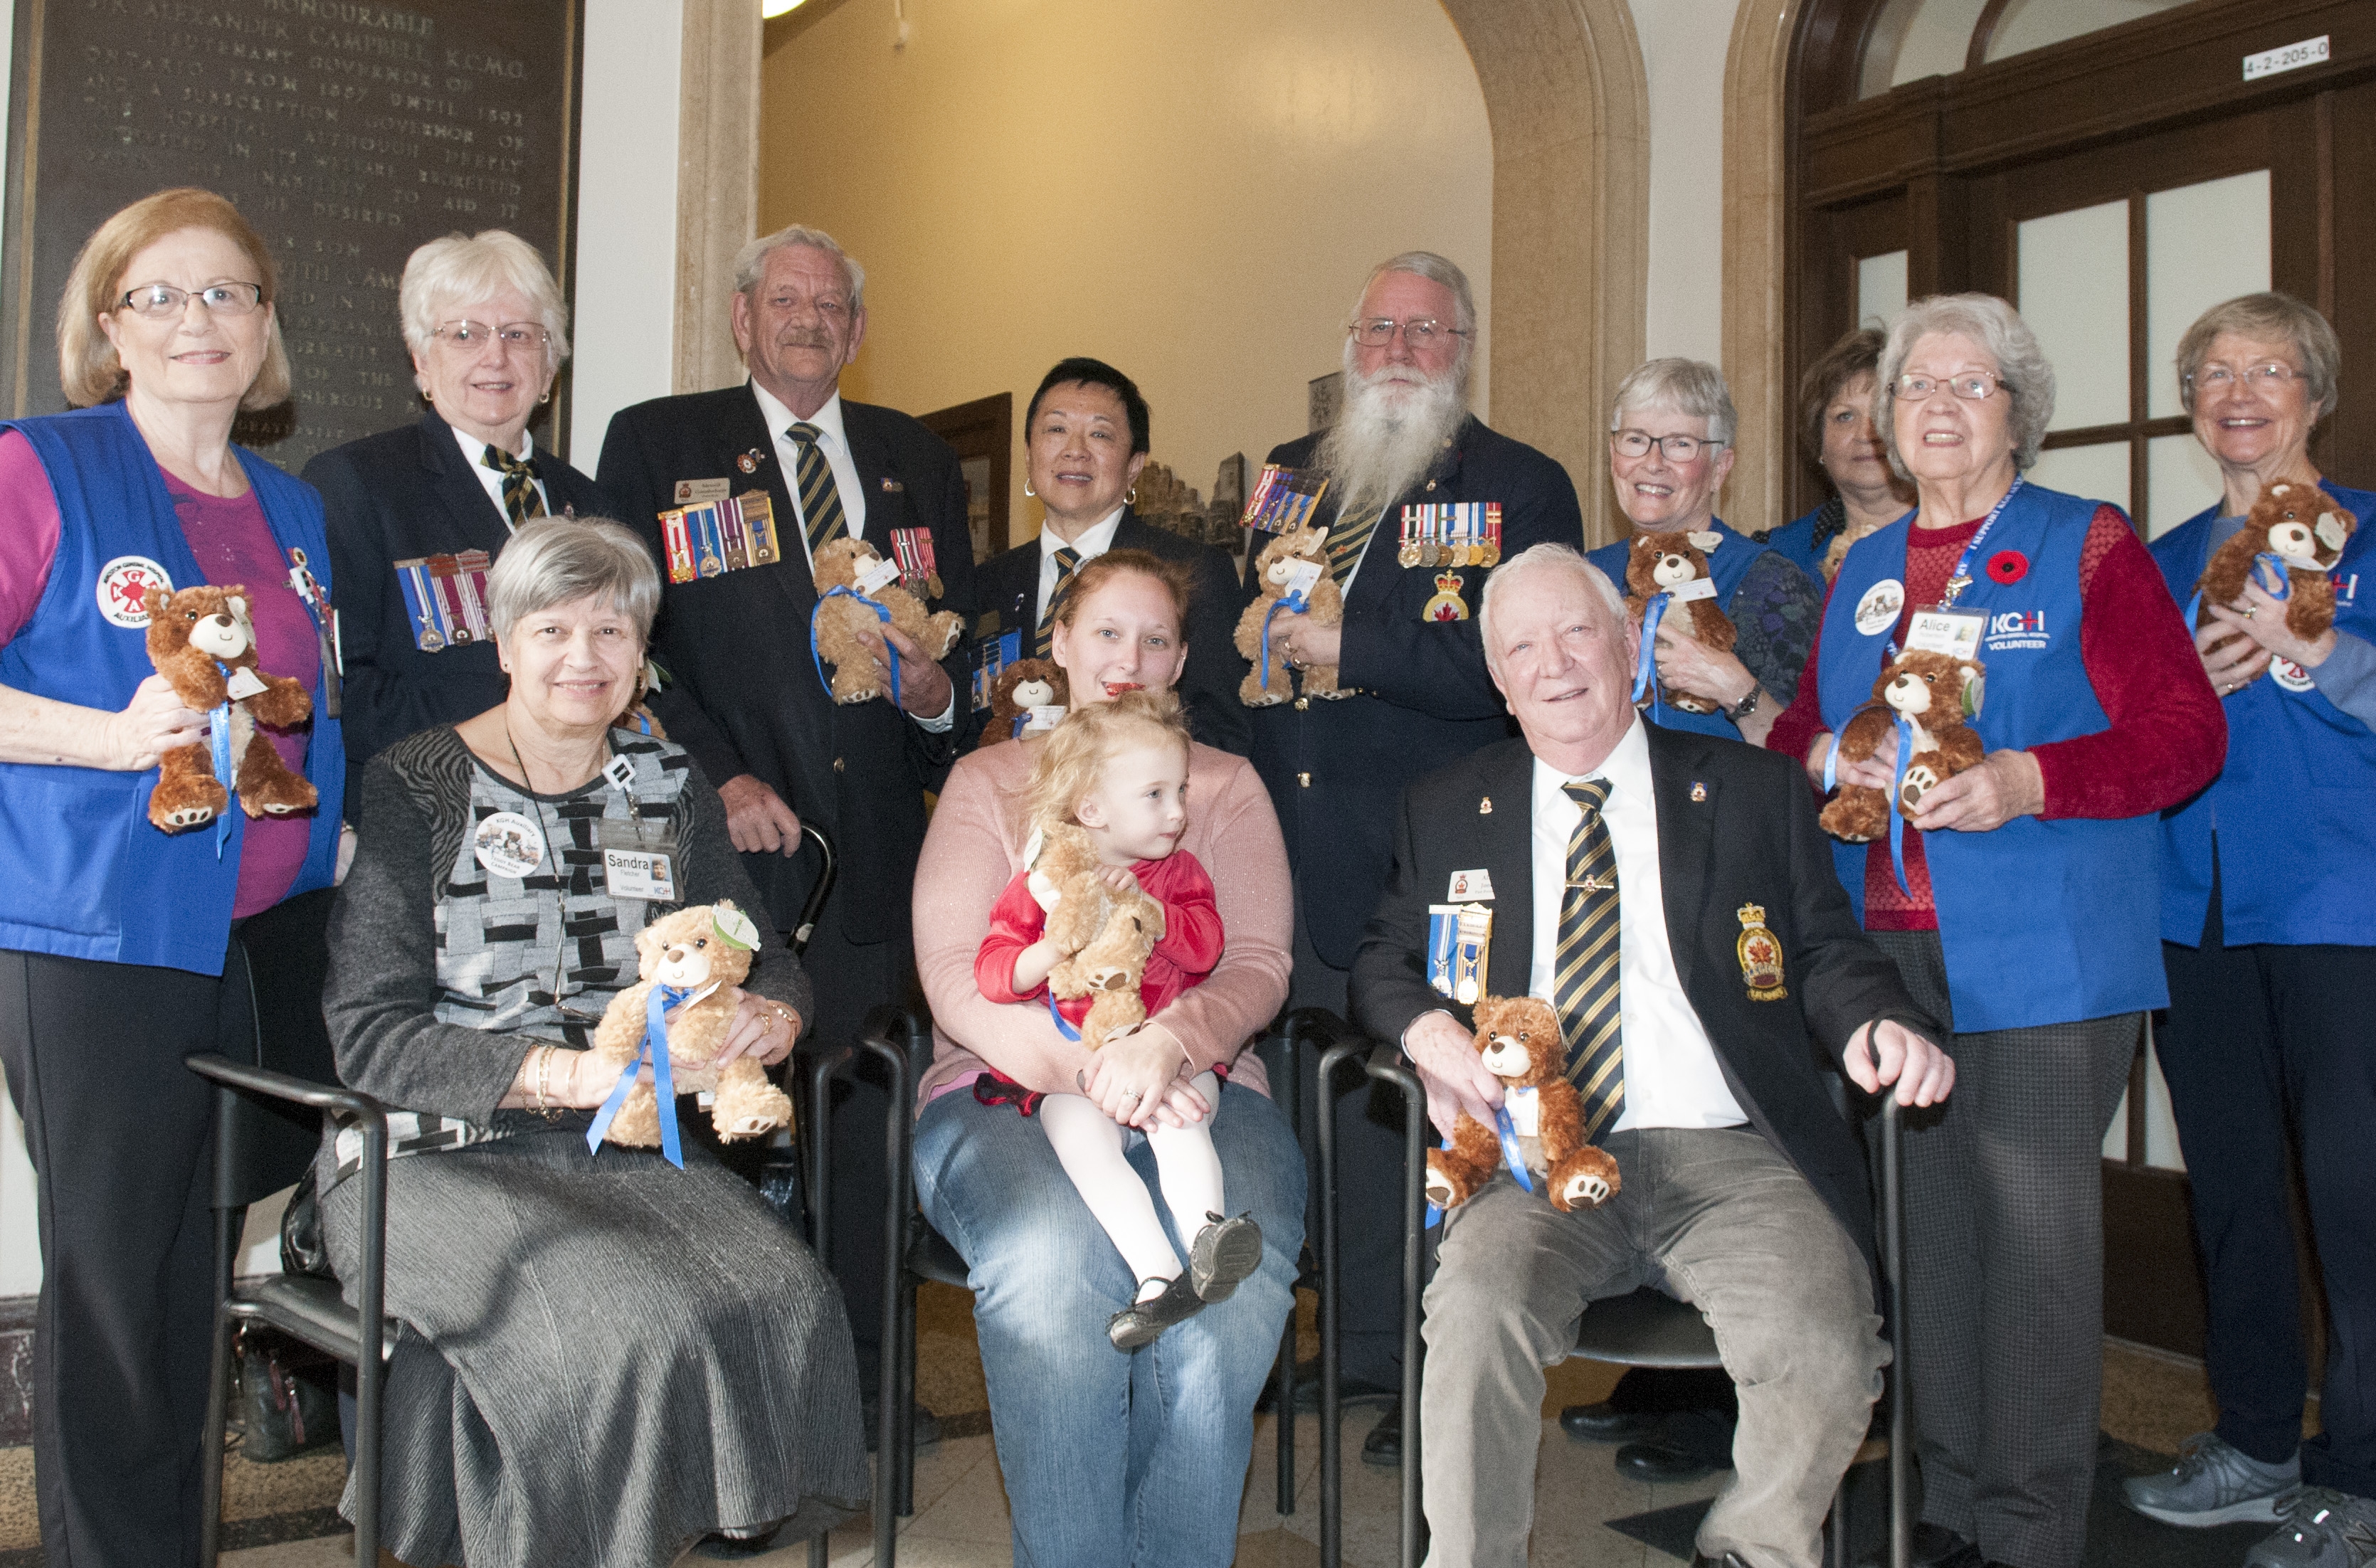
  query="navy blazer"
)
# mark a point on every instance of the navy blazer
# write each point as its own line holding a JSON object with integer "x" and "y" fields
{"x": 399, "y": 495}
{"x": 1336, "y": 768}
{"x": 744, "y": 693}
{"x": 1736, "y": 826}
{"x": 1209, "y": 687}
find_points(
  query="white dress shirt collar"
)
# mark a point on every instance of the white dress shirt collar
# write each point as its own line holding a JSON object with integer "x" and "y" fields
{"x": 780, "y": 418}
{"x": 1092, "y": 542}
{"x": 833, "y": 440}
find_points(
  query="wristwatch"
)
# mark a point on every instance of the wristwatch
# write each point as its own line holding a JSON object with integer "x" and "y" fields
{"x": 1747, "y": 705}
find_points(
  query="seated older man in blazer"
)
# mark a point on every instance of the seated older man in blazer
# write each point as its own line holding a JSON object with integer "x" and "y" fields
{"x": 1671, "y": 896}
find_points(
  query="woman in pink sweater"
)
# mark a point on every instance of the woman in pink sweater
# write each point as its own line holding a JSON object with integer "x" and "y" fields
{"x": 1108, "y": 1457}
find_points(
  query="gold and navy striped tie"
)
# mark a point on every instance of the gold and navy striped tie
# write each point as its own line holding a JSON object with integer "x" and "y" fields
{"x": 1345, "y": 541}
{"x": 521, "y": 498}
{"x": 821, "y": 515}
{"x": 1584, "y": 964}
{"x": 1068, "y": 567}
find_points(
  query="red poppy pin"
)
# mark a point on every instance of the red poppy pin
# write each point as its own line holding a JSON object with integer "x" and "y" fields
{"x": 2008, "y": 567}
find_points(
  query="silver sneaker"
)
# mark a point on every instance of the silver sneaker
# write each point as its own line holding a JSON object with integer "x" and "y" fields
{"x": 2214, "y": 1483}
{"x": 2324, "y": 1528}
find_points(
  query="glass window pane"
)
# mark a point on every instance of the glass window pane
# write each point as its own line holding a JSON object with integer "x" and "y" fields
{"x": 2098, "y": 472}
{"x": 1913, "y": 38}
{"x": 2074, "y": 294}
{"x": 2180, "y": 480}
{"x": 2033, "y": 24}
{"x": 1881, "y": 288}
{"x": 2204, "y": 245}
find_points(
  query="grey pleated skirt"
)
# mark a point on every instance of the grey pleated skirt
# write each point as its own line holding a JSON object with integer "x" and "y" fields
{"x": 603, "y": 1359}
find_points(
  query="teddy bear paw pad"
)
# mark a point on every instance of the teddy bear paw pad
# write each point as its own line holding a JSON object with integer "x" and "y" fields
{"x": 1587, "y": 1191}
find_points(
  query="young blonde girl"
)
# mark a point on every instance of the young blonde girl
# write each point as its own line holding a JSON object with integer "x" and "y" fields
{"x": 1118, "y": 771}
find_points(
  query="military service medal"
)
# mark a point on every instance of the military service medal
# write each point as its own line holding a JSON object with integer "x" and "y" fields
{"x": 1761, "y": 955}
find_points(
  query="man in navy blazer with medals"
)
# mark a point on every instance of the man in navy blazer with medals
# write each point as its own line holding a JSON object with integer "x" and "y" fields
{"x": 1085, "y": 439}
{"x": 1415, "y": 690}
{"x": 745, "y": 697}
{"x": 1671, "y": 895}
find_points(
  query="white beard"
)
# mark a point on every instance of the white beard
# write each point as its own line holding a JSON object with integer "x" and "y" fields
{"x": 1393, "y": 426}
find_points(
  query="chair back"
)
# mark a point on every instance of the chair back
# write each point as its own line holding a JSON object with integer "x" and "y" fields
{"x": 267, "y": 1144}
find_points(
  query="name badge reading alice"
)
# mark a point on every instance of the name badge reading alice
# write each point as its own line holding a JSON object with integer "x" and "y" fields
{"x": 1955, "y": 632}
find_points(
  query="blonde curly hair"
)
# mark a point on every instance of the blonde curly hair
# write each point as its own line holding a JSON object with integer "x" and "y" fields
{"x": 1072, "y": 759}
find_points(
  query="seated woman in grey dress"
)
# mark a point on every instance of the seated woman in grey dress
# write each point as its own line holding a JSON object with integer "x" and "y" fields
{"x": 603, "y": 1357}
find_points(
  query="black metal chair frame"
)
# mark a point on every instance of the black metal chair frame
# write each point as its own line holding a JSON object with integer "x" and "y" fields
{"x": 1646, "y": 1328}
{"x": 313, "y": 1311}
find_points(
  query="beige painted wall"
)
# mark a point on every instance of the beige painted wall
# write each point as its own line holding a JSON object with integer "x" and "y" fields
{"x": 1191, "y": 189}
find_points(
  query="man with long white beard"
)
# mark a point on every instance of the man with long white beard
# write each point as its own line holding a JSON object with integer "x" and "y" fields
{"x": 1415, "y": 694}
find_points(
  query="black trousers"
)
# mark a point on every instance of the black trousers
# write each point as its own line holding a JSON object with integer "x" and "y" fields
{"x": 2262, "y": 1040}
{"x": 118, "y": 1130}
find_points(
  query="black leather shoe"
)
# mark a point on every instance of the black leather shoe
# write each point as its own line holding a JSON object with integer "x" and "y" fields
{"x": 1934, "y": 1547}
{"x": 1224, "y": 1253}
{"x": 1687, "y": 1446}
{"x": 1605, "y": 1422}
{"x": 1384, "y": 1446}
{"x": 1730, "y": 1560}
{"x": 1142, "y": 1323}
{"x": 723, "y": 1547}
{"x": 1659, "y": 1465}
{"x": 928, "y": 1426}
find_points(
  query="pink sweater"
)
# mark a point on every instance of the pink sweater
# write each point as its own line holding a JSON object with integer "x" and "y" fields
{"x": 974, "y": 848}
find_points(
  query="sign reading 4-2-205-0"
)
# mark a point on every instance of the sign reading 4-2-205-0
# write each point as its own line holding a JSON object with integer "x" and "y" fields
{"x": 348, "y": 133}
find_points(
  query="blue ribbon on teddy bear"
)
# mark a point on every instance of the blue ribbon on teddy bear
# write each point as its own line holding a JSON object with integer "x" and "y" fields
{"x": 219, "y": 746}
{"x": 882, "y": 613}
{"x": 1645, "y": 668}
{"x": 1294, "y": 604}
{"x": 1515, "y": 1161}
{"x": 2270, "y": 568}
{"x": 655, "y": 1051}
{"x": 1896, "y": 799}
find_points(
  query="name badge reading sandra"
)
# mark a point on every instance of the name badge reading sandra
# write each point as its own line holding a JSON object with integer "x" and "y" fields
{"x": 638, "y": 864}
{"x": 1955, "y": 632}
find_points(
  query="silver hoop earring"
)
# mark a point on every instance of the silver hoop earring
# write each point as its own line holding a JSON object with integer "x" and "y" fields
{"x": 1028, "y": 490}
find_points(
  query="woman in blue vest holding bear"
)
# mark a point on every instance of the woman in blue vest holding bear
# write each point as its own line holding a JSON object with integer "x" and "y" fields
{"x": 124, "y": 948}
{"x": 2023, "y": 906}
{"x": 2269, "y": 939}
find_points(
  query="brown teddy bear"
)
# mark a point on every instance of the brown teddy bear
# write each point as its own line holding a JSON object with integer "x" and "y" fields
{"x": 1106, "y": 936}
{"x": 1519, "y": 1038}
{"x": 1937, "y": 695}
{"x": 2300, "y": 524}
{"x": 1021, "y": 688}
{"x": 1671, "y": 563}
{"x": 1274, "y": 568}
{"x": 706, "y": 950}
{"x": 201, "y": 640}
{"x": 841, "y": 623}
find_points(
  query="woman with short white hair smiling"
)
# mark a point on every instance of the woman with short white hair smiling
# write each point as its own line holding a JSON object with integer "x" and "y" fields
{"x": 418, "y": 514}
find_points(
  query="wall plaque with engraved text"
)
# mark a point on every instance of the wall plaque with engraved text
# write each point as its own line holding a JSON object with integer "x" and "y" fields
{"x": 348, "y": 133}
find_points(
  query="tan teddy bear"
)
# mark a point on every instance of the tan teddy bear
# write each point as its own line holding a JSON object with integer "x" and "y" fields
{"x": 1274, "y": 569}
{"x": 841, "y": 624}
{"x": 2303, "y": 526}
{"x": 1676, "y": 564}
{"x": 1105, "y": 935}
{"x": 1518, "y": 1038}
{"x": 705, "y": 951}
{"x": 1020, "y": 696}
{"x": 201, "y": 640}
{"x": 1937, "y": 695}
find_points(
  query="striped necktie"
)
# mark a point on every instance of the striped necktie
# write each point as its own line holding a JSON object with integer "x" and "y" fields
{"x": 1345, "y": 541}
{"x": 1584, "y": 964}
{"x": 821, "y": 515}
{"x": 521, "y": 498}
{"x": 1068, "y": 567}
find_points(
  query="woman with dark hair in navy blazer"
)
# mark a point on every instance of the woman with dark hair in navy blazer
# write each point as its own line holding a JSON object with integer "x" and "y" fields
{"x": 1836, "y": 431}
{"x": 2270, "y": 944}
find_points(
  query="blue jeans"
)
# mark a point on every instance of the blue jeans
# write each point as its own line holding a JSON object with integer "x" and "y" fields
{"x": 1110, "y": 1459}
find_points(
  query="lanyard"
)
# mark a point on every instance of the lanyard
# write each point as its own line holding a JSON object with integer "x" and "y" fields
{"x": 1961, "y": 577}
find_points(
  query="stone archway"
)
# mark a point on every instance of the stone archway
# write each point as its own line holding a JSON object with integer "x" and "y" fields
{"x": 1569, "y": 106}
{"x": 1757, "y": 70}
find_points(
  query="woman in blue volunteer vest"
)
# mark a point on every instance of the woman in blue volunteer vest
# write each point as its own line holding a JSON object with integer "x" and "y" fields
{"x": 2269, "y": 940}
{"x": 2023, "y": 906}
{"x": 124, "y": 949}
{"x": 1670, "y": 449}
{"x": 1835, "y": 429}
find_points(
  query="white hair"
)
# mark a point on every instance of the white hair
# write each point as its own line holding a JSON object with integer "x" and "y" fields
{"x": 751, "y": 261}
{"x": 1437, "y": 269}
{"x": 2023, "y": 372}
{"x": 462, "y": 269}
{"x": 1533, "y": 562}
{"x": 1693, "y": 388}
{"x": 561, "y": 560}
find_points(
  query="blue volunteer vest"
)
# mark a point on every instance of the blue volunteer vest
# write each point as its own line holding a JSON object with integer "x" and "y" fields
{"x": 82, "y": 873}
{"x": 2042, "y": 923}
{"x": 2297, "y": 842}
{"x": 1727, "y": 564}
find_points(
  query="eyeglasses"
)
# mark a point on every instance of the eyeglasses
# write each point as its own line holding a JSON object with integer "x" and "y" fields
{"x": 471, "y": 335}
{"x": 1972, "y": 386}
{"x": 2268, "y": 376}
{"x": 157, "y": 302}
{"x": 1420, "y": 331}
{"x": 1678, "y": 448}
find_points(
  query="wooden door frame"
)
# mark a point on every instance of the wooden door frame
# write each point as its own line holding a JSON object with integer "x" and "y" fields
{"x": 983, "y": 428}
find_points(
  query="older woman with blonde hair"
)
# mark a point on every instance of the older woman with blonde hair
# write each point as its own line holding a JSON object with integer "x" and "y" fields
{"x": 124, "y": 948}
{"x": 2021, "y": 907}
{"x": 418, "y": 514}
